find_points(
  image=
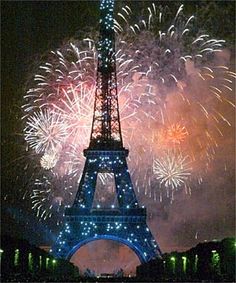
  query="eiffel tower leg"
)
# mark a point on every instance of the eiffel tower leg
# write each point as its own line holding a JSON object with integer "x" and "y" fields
{"x": 85, "y": 194}
{"x": 124, "y": 188}
{"x": 114, "y": 162}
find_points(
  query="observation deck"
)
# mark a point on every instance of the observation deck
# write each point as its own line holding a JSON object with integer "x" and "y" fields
{"x": 103, "y": 215}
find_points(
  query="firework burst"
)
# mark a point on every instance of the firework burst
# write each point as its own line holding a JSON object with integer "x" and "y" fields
{"x": 49, "y": 160}
{"x": 172, "y": 170}
{"x": 45, "y": 131}
{"x": 176, "y": 133}
{"x": 50, "y": 196}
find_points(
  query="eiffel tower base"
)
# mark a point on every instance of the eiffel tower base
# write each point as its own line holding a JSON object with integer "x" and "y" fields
{"x": 126, "y": 226}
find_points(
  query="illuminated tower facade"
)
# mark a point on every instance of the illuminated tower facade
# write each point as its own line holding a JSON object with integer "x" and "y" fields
{"x": 106, "y": 154}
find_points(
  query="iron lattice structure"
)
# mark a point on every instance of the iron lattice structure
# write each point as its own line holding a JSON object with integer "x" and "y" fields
{"x": 106, "y": 129}
{"x": 106, "y": 154}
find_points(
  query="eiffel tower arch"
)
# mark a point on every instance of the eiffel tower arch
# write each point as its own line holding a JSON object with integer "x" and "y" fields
{"x": 127, "y": 222}
{"x": 139, "y": 251}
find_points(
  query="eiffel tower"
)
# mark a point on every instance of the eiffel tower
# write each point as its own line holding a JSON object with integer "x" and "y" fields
{"x": 126, "y": 223}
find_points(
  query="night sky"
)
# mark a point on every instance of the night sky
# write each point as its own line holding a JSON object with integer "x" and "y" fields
{"x": 29, "y": 30}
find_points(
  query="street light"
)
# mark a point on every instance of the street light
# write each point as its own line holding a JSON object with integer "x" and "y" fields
{"x": 1, "y": 252}
{"x": 40, "y": 262}
{"x": 184, "y": 258}
{"x": 173, "y": 263}
{"x": 196, "y": 263}
{"x": 53, "y": 264}
{"x": 16, "y": 257}
{"x": 47, "y": 262}
{"x": 30, "y": 262}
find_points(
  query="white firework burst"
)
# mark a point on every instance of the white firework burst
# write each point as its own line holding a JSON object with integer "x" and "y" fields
{"x": 45, "y": 130}
{"x": 50, "y": 195}
{"x": 172, "y": 170}
{"x": 49, "y": 160}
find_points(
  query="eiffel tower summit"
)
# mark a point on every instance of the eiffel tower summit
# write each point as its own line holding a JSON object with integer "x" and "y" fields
{"x": 125, "y": 223}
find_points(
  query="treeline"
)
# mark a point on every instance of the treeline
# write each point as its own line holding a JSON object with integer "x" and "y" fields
{"x": 23, "y": 262}
{"x": 212, "y": 261}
